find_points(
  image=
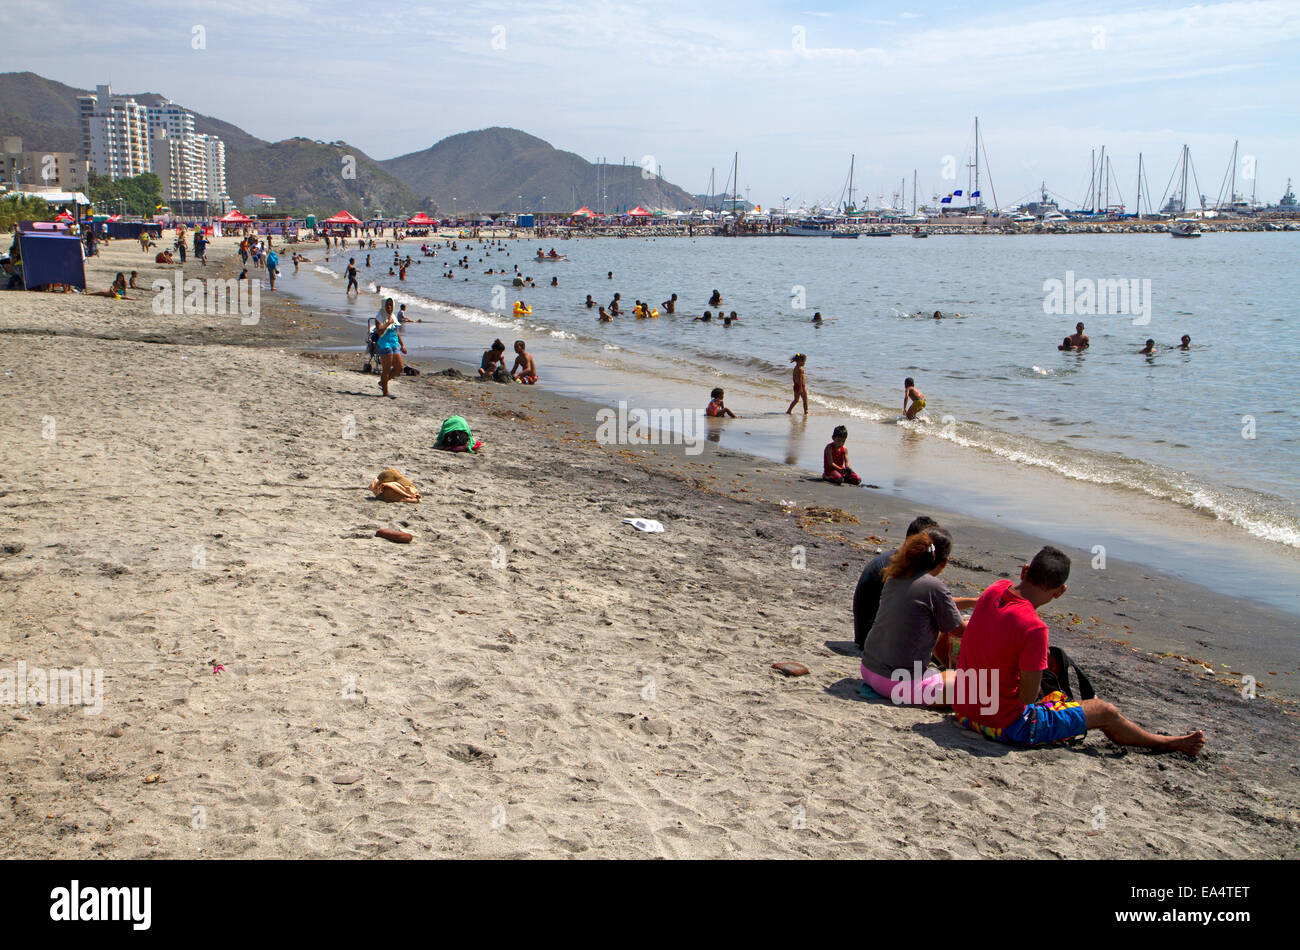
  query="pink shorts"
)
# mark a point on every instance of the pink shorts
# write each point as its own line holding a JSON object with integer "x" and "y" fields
{"x": 927, "y": 691}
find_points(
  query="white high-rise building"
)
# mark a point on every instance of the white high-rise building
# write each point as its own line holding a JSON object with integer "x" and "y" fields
{"x": 181, "y": 164}
{"x": 114, "y": 134}
{"x": 215, "y": 154}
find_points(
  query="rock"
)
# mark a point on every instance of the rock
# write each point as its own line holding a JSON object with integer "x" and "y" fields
{"x": 347, "y": 778}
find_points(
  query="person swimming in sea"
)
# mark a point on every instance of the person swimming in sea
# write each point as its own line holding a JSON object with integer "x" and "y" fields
{"x": 817, "y": 319}
{"x": 1185, "y": 343}
{"x": 606, "y": 316}
{"x": 591, "y": 303}
{"x": 800, "y": 381}
{"x": 730, "y": 319}
{"x": 708, "y": 317}
{"x": 1149, "y": 349}
{"x": 715, "y": 300}
{"x": 918, "y": 398}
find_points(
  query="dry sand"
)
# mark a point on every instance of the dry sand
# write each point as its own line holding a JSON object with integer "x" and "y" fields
{"x": 530, "y": 677}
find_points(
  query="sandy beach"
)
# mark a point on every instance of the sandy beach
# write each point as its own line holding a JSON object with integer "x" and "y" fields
{"x": 186, "y": 509}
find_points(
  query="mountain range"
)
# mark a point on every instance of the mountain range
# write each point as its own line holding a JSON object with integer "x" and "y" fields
{"x": 489, "y": 170}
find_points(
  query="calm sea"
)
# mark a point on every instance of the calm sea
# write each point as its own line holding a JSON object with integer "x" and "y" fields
{"x": 1148, "y": 453}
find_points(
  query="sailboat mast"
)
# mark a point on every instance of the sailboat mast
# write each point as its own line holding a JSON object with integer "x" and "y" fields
{"x": 914, "y": 192}
{"x": 1137, "y": 209}
{"x": 735, "y": 183}
{"x": 977, "y": 159}
{"x": 852, "y": 160}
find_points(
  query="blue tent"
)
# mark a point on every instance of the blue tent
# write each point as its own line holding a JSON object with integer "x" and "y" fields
{"x": 52, "y": 258}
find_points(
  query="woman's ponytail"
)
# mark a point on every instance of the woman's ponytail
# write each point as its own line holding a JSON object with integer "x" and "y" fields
{"x": 921, "y": 553}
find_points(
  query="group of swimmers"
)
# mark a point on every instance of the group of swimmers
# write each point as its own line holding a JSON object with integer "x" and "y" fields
{"x": 919, "y": 648}
{"x": 1078, "y": 341}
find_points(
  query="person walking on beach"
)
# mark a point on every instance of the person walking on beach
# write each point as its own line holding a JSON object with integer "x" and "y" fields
{"x": 800, "y": 384}
{"x": 918, "y": 398}
{"x": 389, "y": 346}
{"x": 272, "y": 267}
{"x": 1005, "y": 643}
{"x": 351, "y": 274}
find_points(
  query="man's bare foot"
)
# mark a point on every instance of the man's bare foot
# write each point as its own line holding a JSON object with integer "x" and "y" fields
{"x": 1192, "y": 743}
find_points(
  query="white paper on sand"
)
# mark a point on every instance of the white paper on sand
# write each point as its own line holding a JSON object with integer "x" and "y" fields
{"x": 644, "y": 524}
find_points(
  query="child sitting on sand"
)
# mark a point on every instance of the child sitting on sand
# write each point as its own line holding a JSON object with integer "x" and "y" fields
{"x": 492, "y": 358}
{"x": 835, "y": 460}
{"x": 800, "y": 383}
{"x": 1005, "y": 643}
{"x": 716, "y": 408}
{"x": 918, "y": 398}
{"x": 525, "y": 368}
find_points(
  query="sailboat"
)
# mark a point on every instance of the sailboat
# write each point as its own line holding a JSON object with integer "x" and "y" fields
{"x": 825, "y": 227}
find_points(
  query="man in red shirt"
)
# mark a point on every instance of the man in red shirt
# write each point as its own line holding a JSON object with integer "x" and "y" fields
{"x": 1006, "y": 643}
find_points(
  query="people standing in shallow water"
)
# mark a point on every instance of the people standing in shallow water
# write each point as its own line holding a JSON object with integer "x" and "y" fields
{"x": 1078, "y": 339}
{"x": 918, "y": 398}
{"x": 715, "y": 300}
{"x": 590, "y": 303}
{"x": 670, "y": 305}
{"x": 800, "y": 384}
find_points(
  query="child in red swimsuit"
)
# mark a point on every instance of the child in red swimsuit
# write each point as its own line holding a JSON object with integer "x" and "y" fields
{"x": 835, "y": 460}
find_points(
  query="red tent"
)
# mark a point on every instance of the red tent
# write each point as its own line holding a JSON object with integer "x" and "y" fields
{"x": 63, "y": 217}
{"x": 640, "y": 212}
{"x": 236, "y": 217}
{"x": 343, "y": 218}
{"x": 420, "y": 220}
{"x": 584, "y": 212}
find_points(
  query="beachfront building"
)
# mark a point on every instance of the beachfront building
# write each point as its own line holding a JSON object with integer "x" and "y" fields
{"x": 259, "y": 201}
{"x": 114, "y": 134}
{"x": 39, "y": 170}
{"x": 196, "y": 162}
{"x": 215, "y": 160}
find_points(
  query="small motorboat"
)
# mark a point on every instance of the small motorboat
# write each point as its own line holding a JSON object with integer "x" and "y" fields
{"x": 1184, "y": 229}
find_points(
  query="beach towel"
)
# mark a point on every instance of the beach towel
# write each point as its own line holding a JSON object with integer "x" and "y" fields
{"x": 392, "y": 485}
{"x": 455, "y": 436}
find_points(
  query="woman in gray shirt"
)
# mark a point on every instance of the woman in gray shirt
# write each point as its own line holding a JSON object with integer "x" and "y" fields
{"x": 915, "y": 610}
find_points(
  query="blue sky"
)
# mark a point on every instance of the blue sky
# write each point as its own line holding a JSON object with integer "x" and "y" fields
{"x": 794, "y": 87}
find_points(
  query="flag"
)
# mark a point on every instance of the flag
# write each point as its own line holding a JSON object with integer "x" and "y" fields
{"x": 946, "y": 201}
{"x": 974, "y": 194}
{"x": 957, "y": 192}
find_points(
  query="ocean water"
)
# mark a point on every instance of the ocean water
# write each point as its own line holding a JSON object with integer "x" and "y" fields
{"x": 1150, "y": 453}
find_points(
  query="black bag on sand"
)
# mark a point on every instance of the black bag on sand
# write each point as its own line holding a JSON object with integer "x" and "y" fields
{"x": 1057, "y": 676}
